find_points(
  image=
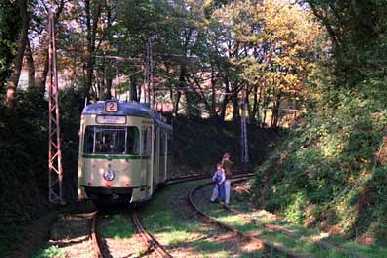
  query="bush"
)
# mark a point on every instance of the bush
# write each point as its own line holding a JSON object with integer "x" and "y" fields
{"x": 328, "y": 163}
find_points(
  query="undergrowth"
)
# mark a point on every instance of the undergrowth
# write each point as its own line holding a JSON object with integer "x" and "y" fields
{"x": 327, "y": 171}
{"x": 23, "y": 157}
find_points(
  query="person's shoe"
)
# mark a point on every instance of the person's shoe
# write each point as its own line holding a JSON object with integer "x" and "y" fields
{"x": 212, "y": 201}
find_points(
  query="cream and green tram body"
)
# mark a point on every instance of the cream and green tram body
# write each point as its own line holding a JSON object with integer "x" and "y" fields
{"x": 123, "y": 151}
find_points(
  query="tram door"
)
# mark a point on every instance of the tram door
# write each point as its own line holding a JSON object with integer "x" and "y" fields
{"x": 156, "y": 156}
{"x": 163, "y": 155}
{"x": 147, "y": 162}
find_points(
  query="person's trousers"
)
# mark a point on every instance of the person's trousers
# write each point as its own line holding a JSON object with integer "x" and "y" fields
{"x": 215, "y": 193}
{"x": 228, "y": 192}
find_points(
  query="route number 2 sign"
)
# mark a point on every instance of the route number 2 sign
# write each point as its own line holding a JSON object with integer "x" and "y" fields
{"x": 111, "y": 106}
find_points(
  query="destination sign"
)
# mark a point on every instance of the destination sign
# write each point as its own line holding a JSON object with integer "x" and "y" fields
{"x": 111, "y": 119}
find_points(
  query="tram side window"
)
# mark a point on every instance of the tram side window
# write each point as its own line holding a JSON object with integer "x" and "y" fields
{"x": 133, "y": 141}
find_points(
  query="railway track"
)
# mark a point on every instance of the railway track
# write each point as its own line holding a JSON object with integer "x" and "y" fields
{"x": 99, "y": 249}
{"x": 321, "y": 243}
{"x": 155, "y": 249}
{"x": 99, "y": 246}
{"x": 153, "y": 246}
{"x": 270, "y": 227}
{"x": 196, "y": 177}
{"x": 265, "y": 243}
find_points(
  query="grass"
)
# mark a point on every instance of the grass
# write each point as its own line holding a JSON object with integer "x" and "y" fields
{"x": 302, "y": 238}
{"x": 119, "y": 227}
{"x": 172, "y": 222}
{"x": 51, "y": 251}
{"x": 172, "y": 228}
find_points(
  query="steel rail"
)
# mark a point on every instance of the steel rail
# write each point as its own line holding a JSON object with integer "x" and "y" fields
{"x": 196, "y": 177}
{"x": 321, "y": 243}
{"x": 212, "y": 220}
{"x": 148, "y": 238}
{"x": 92, "y": 234}
{"x": 95, "y": 238}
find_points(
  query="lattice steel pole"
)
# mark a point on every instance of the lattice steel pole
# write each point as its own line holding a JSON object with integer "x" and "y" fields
{"x": 55, "y": 170}
{"x": 151, "y": 74}
{"x": 244, "y": 146}
{"x": 150, "y": 97}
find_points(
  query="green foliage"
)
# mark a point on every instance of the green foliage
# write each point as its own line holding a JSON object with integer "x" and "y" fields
{"x": 326, "y": 170}
{"x": 23, "y": 155}
{"x": 119, "y": 227}
{"x": 50, "y": 252}
{"x": 9, "y": 27}
{"x": 71, "y": 107}
{"x": 294, "y": 211}
{"x": 330, "y": 158}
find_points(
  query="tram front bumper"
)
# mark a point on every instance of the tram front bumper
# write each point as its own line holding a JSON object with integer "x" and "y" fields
{"x": 98, "y": 192}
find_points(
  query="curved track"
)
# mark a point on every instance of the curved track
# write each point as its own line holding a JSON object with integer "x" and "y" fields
{"x": 196, "y": 177}
{"x": 98, "y": 244}
{"x": 267, "y": 244}
{"x": 98, "y": 249}
{"x": 95, "y": 238}
{"x": 148, "y": 238}
{"x": 322, "y": 243}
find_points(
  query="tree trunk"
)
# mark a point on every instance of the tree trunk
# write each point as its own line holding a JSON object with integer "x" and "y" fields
{"x": 108, "y": 74}
{"x": 226, "y": 99}
{"x": 275, "y": 111}
{"x": 30, "y": 65}
{"x": 91, "y": 25}
{"x": 213, "y": 113}
{"x": 181, "y": 85}
{"x": 108, "y": 69}
{"x": 264, "y": 107}
{"x": 18, "y": 60}
{"x": 257, "y": 111}
{"x": 133, "y": 88}
{"x": 42, "y": 76}
{"x": 176, "y": 108}
{"x": 235, "y": 107}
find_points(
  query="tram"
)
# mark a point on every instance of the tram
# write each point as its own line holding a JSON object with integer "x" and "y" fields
{"x": 123, "y": 151}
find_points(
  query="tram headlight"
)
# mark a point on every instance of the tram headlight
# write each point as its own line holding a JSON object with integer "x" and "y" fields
{"x": 109, "y": 175}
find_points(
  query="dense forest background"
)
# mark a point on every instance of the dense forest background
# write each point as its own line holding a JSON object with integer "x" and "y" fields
{"x": 318, "y": 66}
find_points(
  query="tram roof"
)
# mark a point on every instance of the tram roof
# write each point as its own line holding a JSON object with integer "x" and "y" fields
{"x": 127, "y": 109}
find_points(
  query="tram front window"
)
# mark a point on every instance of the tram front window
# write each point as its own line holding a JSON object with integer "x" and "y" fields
{"x": 111, "y": 140}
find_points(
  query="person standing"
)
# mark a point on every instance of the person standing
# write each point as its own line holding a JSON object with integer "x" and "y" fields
{"x": 227, "y": 166}
{"x": 219, "y": 179}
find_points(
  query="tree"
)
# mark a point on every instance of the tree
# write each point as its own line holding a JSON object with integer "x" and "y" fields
{"x": 17, "y": 63}
{"x": 274, "y": 51}
{"x": 357, "y": 30}
{"x": 9, "y": 30}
